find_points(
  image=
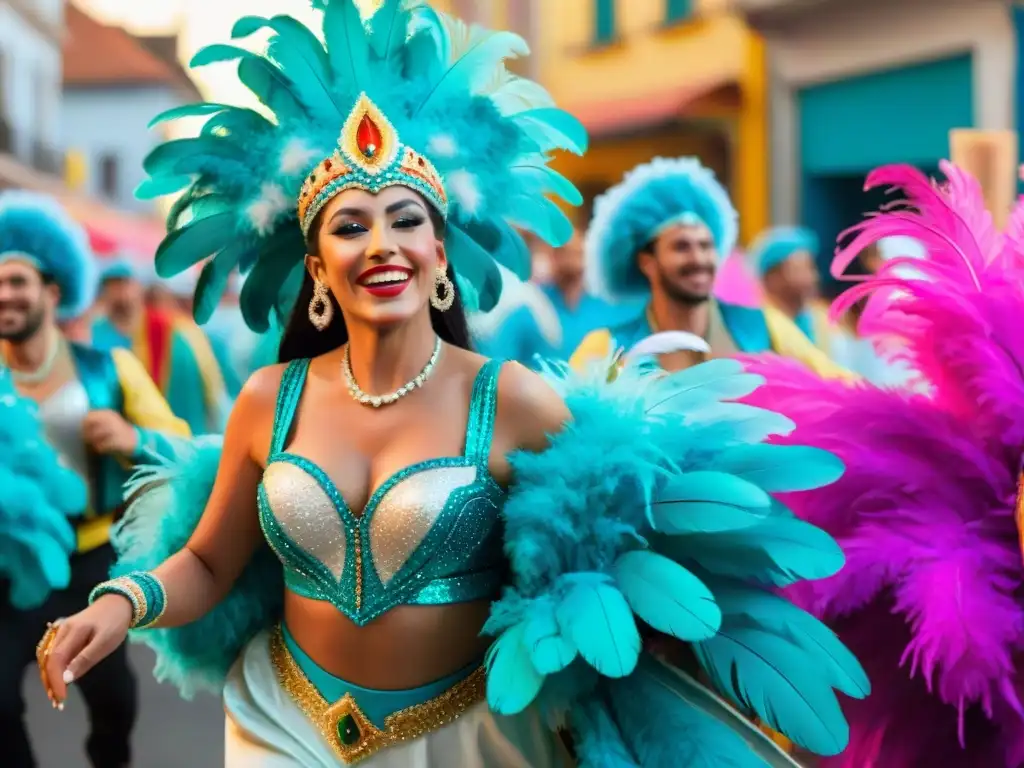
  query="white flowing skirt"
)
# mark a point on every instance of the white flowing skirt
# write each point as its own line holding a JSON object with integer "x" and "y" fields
{"x": 265, "y": 729}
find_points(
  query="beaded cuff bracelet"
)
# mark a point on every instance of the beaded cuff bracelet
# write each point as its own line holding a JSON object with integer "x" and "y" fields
{"x": 143, "y": 590}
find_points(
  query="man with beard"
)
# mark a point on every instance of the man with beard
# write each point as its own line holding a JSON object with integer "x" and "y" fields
{"x": 102, "y": 413}
{"x": 148, "y": 320}
{"x": 658, "y": 235}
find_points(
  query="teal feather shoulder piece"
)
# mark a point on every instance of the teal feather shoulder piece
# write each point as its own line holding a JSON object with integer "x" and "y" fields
{"x": 652, "y": 513}
{"x": 39, "y": 493}
{"x": 439, "y": 84}
{"x": 166, "y": 501}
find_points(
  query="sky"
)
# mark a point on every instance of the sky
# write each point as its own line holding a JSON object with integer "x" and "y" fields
{"x": 200, "y": 23}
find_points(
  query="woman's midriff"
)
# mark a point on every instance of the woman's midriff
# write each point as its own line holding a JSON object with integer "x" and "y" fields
{"x": 408, "y": 647}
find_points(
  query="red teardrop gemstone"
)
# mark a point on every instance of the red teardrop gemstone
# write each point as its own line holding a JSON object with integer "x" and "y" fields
{"x": 368, "y": 137}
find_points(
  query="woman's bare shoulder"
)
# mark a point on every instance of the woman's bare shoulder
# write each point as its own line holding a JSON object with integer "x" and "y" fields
{"x": 259, "y": 393}
{"x": 529, "y": 409}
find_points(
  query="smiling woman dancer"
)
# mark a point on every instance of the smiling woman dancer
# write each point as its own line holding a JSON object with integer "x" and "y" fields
{"x": 402, "y": 481}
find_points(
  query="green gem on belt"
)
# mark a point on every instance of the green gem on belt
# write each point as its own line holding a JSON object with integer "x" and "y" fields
{"x": 348, "y": 731}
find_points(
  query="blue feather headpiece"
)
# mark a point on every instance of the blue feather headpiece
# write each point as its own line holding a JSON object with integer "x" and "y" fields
{"x": 650, "y": 199}
{"x": 776, "y": 245}
{"x": 34, "y": 228}
{"x": 347, "y": 113}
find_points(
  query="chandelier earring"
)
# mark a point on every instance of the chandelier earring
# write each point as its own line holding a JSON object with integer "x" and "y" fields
{"x": 444, "y": 291}
{"x": 321, "y": 311}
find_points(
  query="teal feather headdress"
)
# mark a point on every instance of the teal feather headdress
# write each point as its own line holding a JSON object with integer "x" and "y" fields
{"x": 776, "y": 245}
{"x": 36, "y": 229}
{"x": 443, "y": 89}
{"x": 650, "y": 198}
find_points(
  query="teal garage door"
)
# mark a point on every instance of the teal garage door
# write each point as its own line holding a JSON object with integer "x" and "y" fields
{"x": 851, "y": 126}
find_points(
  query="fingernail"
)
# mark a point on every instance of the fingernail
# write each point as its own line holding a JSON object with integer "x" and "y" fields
{"x": 69, "y": 677}
{"x": 60, "y": 707}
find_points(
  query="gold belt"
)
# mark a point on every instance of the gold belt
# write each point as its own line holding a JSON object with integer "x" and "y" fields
{"x": 349, "y": 732}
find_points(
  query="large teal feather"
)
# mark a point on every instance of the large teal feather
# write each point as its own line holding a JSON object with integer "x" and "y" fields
{"x": 388, "y": 28}
{"x": 474, "y": 264}
{"x": 667, "y": 596}
{"x": 245, "y": 123}
{"x": 200, "y": 109}
{"x": 272, "y": 270}
{"x": 548, "y": 179}
{"x": 756, "y": 608}
{"x": 348, "y": 47}
{"x": 778, "y": 551}
{"x": 183, "y": 205}
{"x": 769, "y": 675}
{"x": 503, "y": 243}
{"x": 217, "y": 53}
{"x": 474, "y": 54}
{"x": 707, "y": 502}
{"x": 720, "y": 382}
{"x": 705, "y": 732}
{"x": 783, "y": 468}
{"x": 512, "y": 681}
{"x": 298, "y": 52}
{"x": 549, "y": 651}
{"x": 595, "y": 617}
{"x": 745, "y": 423}
{"x": 193, "y": 243}
{"x": 691, "y": 517}
{"x": 273, "y": 89}
{"x": 422, "y": 57}
{"x": 169, "y": 156}
{"x": 546, "y": 218}
{"x": 213, "y": 279}
{"x": 555, "y": 127}
{"x": 154, "y": 187}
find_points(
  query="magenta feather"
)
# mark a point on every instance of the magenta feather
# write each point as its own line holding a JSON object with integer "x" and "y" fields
{"x": 929, "y": 599}
{"x": 924, "y": 516}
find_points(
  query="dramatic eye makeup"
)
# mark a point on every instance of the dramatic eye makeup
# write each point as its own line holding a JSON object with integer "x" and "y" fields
{"x": 413, "y": 215}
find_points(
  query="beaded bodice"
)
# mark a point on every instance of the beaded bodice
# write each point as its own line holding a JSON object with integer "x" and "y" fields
{"x": 429, "y": 534}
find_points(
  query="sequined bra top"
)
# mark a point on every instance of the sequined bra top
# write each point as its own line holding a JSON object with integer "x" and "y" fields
{"x": 429, "y": 535}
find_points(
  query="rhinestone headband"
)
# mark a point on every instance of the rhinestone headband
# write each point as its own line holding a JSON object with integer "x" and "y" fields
{"x": 370, "y": 157}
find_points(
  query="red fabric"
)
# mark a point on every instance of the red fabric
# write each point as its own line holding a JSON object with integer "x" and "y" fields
{"x": 158, "y": 340}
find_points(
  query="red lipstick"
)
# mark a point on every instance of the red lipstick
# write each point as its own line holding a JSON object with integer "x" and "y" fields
{"x": 385, "y": 281}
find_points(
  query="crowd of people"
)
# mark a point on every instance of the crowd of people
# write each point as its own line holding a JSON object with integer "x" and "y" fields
{"x": 416, "y": 473}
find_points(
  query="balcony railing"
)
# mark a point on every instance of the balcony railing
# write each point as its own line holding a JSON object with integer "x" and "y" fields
{"x": 34, "y": 152}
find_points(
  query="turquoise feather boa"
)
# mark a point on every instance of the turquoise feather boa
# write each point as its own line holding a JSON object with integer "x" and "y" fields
{"x": 39, "y": 493}
{"x": 652, "y": 509}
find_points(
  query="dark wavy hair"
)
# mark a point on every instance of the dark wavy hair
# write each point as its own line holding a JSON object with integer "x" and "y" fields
{"x": 301, "y": 340}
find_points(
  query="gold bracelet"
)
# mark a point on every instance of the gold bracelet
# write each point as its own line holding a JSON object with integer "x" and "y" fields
{"x": 43, "y": 650}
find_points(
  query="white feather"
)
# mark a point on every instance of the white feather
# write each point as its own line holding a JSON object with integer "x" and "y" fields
{"x": 442, "y": 145}
{"x": 516, "y": 294}
{"x": 297, "y": 158}
{"x": 667, "y": 342}
{"x": 463, "y": 187}
{"x": 264, "y": 211}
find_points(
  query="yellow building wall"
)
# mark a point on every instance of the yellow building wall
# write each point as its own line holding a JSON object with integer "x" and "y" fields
{"x": 648, "y": 58}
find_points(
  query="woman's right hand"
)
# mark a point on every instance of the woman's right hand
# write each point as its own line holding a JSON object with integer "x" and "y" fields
{"x": 82, "y": 641}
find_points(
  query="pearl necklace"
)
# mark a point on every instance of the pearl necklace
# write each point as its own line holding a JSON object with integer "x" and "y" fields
{"x": 378, "y": 400}
{"x": 42, "y": 373}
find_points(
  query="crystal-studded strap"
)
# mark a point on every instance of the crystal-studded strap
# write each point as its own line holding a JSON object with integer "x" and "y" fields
{"x": 482, "y": 407}
{"x": 292, "y": 381}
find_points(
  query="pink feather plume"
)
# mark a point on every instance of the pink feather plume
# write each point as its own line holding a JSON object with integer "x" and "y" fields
{"x": 930, "y": 598}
